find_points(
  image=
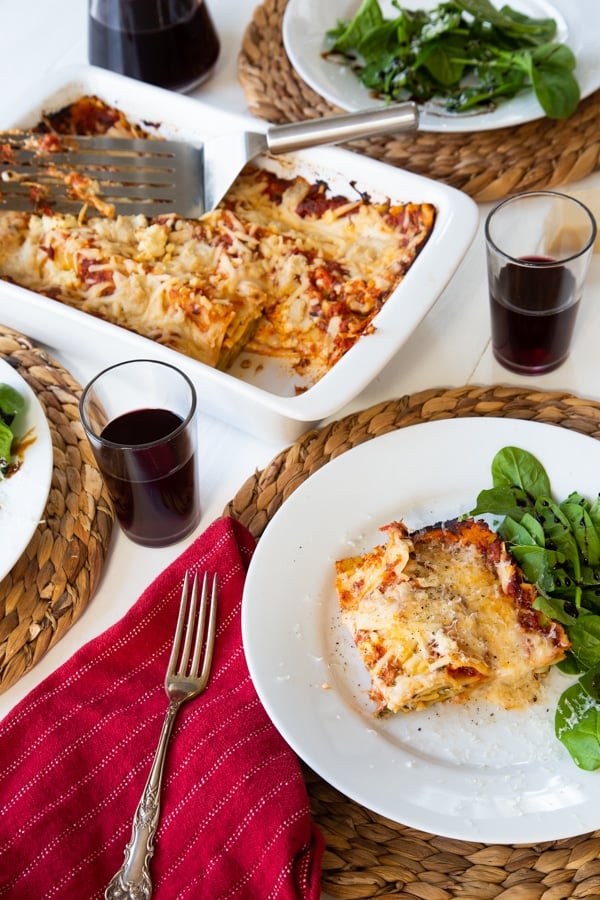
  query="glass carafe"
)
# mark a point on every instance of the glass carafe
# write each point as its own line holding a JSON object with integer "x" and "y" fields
{"x": 170, "y": 43}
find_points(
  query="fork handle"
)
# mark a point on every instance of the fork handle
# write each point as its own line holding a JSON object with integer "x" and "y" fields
{"x": 132, "y": 881}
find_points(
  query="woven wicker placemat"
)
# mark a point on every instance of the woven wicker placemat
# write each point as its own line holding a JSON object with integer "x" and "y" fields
{"x": 487, "y": 165}
{"x": 368, "y": 855}
{"x": 52, "y": 582}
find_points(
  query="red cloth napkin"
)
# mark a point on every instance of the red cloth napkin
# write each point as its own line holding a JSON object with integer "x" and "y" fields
{"x": 76, "y": 752}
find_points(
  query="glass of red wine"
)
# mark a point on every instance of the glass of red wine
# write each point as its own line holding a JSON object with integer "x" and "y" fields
{"x": 539, "y": 246}
{"x": 140, "y": 419}
{"x": 170, "y": 43}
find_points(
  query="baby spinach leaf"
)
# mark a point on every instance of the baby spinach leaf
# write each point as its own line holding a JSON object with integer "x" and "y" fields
{"x": 558, "y": 532}
{"x": 584, "y": 531}
{"x": 444, "y": 19}
{"x": 577, "y": 720}
{"x": 584, "y": 635}
{"x": 516, "y": 467}
{"x": 11, "y": 402}
{"x": 590, "y": 598}
{"x": 442, "y": 59}
{"x": 554, "y": 608}
{"x": 6, "y": 440}
{"x": 486, "y": 91}
{"x": 537, "y": 565}
{"x": 551, "y": 74}
{"x": 569, "y": 665}
{"x": 507, "y": 19}
{"x": 349, "y": 36}
{"x": 575, "y": 498}
{"x": 594, "y": 510}
{"x": 521, "y": 532}
{"x": 503, "y": 501}
{"x": 534, "y": 527}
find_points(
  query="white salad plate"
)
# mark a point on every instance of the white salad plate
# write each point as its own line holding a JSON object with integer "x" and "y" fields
{"x": 470, "y": 771}
{"x": 263, "y": 399}
{"x": 306, "y": 23}
{"x": 23, "y": 495}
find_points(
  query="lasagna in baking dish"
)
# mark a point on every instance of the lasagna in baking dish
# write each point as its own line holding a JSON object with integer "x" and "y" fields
{"x": 283, "y": 267}
{"x": 444, "y": 613}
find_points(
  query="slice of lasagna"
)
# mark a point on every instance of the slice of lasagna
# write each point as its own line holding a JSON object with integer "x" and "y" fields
{"x": 442, "y": 613}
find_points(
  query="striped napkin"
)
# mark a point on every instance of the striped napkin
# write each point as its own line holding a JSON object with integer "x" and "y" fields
{"x": 76, "y": 752}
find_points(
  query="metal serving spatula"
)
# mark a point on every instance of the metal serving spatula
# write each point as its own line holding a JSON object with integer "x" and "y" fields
{"x": 127, "y": 176}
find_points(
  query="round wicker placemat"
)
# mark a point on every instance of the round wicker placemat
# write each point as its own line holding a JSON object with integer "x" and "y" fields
{"x": 487, "y": 165}
{"x": 368, "y": 855}
{"x": 51, "y": 583}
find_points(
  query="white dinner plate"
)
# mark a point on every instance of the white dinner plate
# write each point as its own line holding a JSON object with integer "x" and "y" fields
{"x": 306, "y": 22}
{"x": 23, "y": 495}
{"x": 471, "y": 771}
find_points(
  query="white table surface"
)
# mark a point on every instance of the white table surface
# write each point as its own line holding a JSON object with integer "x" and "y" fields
{"x": 450, "y": 348}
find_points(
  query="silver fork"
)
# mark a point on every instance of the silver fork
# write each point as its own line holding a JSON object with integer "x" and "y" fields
{"x": 183, "y": 680}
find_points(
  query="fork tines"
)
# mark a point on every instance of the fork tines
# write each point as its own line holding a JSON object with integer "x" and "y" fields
{"x": 196, "y": 626}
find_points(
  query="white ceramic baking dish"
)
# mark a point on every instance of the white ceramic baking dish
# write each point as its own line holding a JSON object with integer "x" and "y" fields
{"x": 260, "y": 399}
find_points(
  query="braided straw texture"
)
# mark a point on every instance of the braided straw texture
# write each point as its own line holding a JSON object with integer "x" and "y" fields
{"x": 368, "y": 855}
{"x": 52, "y": 582}
{"x": 487, "y": 165}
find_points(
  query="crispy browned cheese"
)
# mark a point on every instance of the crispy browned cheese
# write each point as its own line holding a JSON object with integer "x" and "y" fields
{"x": 444, "y": 613}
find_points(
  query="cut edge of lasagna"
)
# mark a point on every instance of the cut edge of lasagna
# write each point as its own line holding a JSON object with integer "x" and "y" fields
{"x": 444, "y": 613}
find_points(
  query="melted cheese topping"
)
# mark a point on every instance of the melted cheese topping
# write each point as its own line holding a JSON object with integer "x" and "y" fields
{"x": 443, "y": 613}
{"x": 281, "y": 268}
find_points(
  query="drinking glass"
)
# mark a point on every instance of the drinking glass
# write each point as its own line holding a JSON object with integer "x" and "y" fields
{"x": 539, "y": 246}
{"x": 170, "y": 43}
{"x": 140, "y": 419}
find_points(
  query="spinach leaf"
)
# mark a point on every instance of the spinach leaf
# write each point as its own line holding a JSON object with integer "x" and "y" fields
{"x": 6, "y": 440}
{"x": 577, "y": 720}
{"x": 569, "y": 665}
{"x": 442, "y": 59}
{"x": 533, "y": 527}
{"x": 559, "y": 534}
{"x": 528, "y": 531}
{"x": 516, "y": 467}
{"x": 11, "y": 403}
{"x": 349, "y": 36}
{"x": 590, "y": 598}
{"x": 550, "y": 69}
{"x": 538, "y": 565}
{"x": 507, "y": 19}
{"x": 583, "y": 528}
{"x": 584, "y": 635}
{"x": 503, "y": 501}
{"x": 554, "y": 608}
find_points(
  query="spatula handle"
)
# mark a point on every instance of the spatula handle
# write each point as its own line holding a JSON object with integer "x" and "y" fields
{"x": 346, "y": 127}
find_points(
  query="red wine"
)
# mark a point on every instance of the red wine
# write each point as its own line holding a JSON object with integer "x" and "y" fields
{"x": 173, "y": 53}
{"x": 153, "y": 485}
{"x": 533, "y": 311}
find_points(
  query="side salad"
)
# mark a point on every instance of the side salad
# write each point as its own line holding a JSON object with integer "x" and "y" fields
{"x": 11, "y": 404}
{"x": 467, "y": 53}
{"x": 557, "y": 546}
